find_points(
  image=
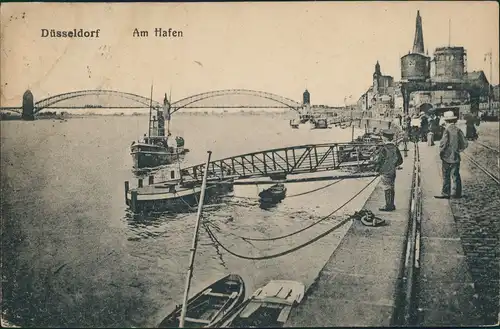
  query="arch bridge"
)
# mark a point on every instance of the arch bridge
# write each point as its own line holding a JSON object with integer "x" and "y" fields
{"x": 94, "y": 99}
{"x": 228, "y": 98}
{"x": 235, "y": 98}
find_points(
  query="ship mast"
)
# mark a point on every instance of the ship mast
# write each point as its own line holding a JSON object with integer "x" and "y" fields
{"x": 150, "y": 110}
{"x": 169, "y": 102}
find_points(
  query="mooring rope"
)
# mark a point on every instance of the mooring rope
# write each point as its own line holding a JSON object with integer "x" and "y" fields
{"x": 283, "y": 253}
{"x": 311, "y": 225}
{"x": 294, "y": 195}
{"x": 307, "y": 192}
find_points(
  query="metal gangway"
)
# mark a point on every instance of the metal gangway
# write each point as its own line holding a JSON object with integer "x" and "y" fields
{"x": 280, "y": 162}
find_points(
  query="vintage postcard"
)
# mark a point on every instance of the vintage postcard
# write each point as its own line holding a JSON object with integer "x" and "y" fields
{"x": 249, "y": 164}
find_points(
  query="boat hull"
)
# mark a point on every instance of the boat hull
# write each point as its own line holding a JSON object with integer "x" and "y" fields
{"x": 268, "y": 307}
{"x": 162, "y": 199}
{"x": 151, "y": 156}
{"x": 145, "y": 159}
{"x": 208, "y": 307}
{"x": 274, "y": 194}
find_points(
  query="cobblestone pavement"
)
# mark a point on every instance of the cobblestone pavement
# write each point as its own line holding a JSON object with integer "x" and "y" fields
{"x": 478, "y": 217}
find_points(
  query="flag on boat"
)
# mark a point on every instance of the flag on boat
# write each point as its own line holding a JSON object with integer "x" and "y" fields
{"x": 166, "y": 108}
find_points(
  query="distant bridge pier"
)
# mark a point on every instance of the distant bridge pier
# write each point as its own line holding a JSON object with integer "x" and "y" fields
{"x": 28, "y": 106}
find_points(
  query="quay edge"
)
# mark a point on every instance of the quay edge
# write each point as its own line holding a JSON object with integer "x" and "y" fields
{"x": 364, "y": 273}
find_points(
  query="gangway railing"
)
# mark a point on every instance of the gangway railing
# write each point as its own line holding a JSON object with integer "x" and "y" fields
{"x": 276, "y": 163}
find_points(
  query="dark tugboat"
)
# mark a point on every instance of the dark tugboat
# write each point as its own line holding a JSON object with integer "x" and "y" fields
{"x": 157, "y": 148}
{"x": 274, "y": 194}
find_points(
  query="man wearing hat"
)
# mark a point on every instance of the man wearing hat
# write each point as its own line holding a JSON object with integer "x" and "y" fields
{"x": 387, "y": 159}
{"x": 452, "y": 143}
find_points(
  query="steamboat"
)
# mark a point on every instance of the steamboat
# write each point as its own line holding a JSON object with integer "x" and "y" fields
{"x": 159, "y": 147}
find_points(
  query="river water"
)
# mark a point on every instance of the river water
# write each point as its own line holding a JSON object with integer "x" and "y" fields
{"x": 73, "y": 255}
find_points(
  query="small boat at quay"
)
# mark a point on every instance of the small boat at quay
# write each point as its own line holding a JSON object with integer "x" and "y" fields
{"x": 208, "y": 307}
{"x": 274, "y": 194}
{"x": 320, "y": 123}
{"x": 295, "y": 123}
{"x": 158, "y": 147}
{"x": 268, "y": 307}
{"x": 362, "y": 148}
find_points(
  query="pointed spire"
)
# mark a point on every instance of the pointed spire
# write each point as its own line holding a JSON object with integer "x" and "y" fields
{"x": 418, "y": 43}
{"x": 377, "y": 68}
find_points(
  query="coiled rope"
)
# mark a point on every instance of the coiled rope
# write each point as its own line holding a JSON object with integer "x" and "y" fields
{"x": 311, "y": 225}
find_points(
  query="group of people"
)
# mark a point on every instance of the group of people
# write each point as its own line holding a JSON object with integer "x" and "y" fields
{"x": 424, "y": 126}
{"x": 453, "y": 142}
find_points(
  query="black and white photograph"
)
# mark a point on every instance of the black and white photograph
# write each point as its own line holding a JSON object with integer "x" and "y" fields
{"x": 250, "y": 164}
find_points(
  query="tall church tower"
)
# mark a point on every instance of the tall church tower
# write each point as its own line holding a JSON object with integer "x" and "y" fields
{"x": 418, "y": 42}
{"x": 376, "y": 77}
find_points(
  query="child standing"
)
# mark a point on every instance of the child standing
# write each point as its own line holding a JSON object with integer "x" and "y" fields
{"x": 387, "y": 159}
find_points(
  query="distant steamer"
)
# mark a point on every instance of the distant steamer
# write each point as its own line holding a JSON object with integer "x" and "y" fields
{"x": 157, "y": 148}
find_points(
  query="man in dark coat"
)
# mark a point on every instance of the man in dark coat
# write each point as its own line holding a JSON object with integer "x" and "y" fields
{"x": 452, "y": 144}
{"x": 471, "y": 121}
{"x": 424, "y": 127}
{"x": 387, "y": 159}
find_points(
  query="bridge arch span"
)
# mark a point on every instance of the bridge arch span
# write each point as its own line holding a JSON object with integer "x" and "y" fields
{"x": 57, "y": 100}
{"x": 283, "y": 101}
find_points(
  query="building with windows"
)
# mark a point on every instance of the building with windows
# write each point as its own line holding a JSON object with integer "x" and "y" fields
{"x": 448, "y": 64}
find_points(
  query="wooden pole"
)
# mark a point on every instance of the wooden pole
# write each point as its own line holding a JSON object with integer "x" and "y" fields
{"x": 194, "y": 244}
{"x": 352, "y": 127}
{"x": 127, "y": 187}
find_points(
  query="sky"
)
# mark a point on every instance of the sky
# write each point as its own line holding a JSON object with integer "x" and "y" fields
{"x": 330, "y": 48}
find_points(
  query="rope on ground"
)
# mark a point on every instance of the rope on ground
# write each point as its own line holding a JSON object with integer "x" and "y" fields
{"x": 311, "y": 225}
{"x": 283, "y": 253}
{"x": 368, "y": 218}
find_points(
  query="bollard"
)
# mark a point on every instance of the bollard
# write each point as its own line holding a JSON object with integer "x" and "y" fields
{"x": 151, "y": 179}
{"x": 133, "y": 201}
{"x": 127, "y": 185}
{"x": 139, "y": 182}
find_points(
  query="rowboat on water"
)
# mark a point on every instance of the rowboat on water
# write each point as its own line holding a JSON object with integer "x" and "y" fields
{"x": 274, "y": 194}
{"x": 269, "y": 306}
{"x": 208, "y": 307}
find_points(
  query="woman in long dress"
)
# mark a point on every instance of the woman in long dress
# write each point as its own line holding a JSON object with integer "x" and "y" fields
{"x": 471, "y": 121}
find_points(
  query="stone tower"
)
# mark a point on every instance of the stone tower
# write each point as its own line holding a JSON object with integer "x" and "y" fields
{"x": 376, "y": 77}
{"x": 28, "y": 106}
{"x": 418, "y": 43}
{"x": 306, "y": 98}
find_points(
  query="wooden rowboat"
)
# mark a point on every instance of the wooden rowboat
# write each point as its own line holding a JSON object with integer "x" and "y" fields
{"x": 208, "y": 307}
{"x": 269, "y": 307}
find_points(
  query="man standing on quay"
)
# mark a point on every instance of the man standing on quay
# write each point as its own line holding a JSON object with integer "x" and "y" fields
{"x": 386, "y": 161}
{"x": 452, "y": 143}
